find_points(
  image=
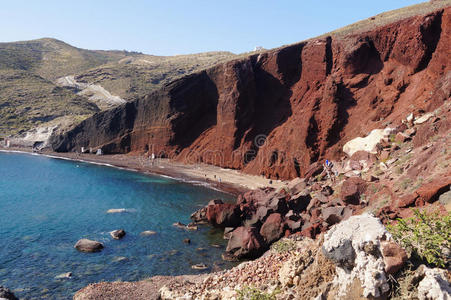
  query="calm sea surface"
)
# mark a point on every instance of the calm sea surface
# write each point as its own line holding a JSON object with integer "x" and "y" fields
{"x": 47, "y": 204}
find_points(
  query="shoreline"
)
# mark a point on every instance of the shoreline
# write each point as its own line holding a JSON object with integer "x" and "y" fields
{"x": 213, "y": 177}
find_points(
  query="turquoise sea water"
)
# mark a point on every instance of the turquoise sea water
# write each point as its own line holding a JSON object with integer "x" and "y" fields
{"x": 47, "y": 204}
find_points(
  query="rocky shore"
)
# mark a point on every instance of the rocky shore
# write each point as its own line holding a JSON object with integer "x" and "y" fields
{"x": 386, "y": 174}
{"x": 381, "y": 178}
{"x": 373, "y": 100}
{"x": 323, "y": 238}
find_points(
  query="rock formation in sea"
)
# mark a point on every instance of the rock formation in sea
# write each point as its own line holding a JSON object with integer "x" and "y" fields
{"x": 85, "y": 245}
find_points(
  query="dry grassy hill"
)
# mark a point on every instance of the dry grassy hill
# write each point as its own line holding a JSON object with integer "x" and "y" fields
{"x": 31, "y": 96}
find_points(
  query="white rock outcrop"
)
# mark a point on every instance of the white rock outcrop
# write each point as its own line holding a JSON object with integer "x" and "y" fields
{"x": 434, "y": 285}
{"x": 423, "y": 118}
{"x": 367, "y": 143}
{"x": 354, "y": 245}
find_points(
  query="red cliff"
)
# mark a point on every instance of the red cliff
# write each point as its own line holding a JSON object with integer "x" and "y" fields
{"x": 277, "y": 112}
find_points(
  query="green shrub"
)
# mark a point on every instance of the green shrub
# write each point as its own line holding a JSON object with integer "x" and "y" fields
{"x": 392, "y": 138}
{"x": 251, "y": 293}
{"x": 284, "y": 245}
{"x": 426, "y": 236}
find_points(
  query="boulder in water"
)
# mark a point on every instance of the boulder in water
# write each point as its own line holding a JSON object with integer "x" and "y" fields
{"x": 85, "y": 245}
{"x": 5, "y": 293}
{"x": 63, "y": 276}
{"x": 117, "y": 234}
{"x": 179, "y": 225}
{"x": 199, "y": 267}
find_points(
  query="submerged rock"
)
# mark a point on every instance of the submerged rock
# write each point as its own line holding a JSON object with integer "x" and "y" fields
{"x": 120, "y": 210}
{"x": 85, "y": 245}
{"x": 63, "y": 276}
{"x": 179, "y": 225}
{"x": 148, "y": 233}
{"x": 191, "y": 226}
{"x": 119, "y": 259}
{"x": 117, "y": 234}
{"x": 199, "y": 267}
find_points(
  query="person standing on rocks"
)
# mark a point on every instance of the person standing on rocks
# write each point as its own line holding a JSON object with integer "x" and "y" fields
{"x": 328, "y": 165}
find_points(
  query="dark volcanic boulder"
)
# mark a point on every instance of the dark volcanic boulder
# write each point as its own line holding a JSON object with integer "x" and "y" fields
{"x": 261, "y": 213}
{"x": 311, "y": 229}
{"x": 332, "y": 215}
{"x": 245, "y": 242}
{"x": 327, "y": 191}
{"x": 200, "y": 216}
{"x": 117, "y": 234}
{"x": 272, "y": 229}
{"x": 85, "y": 245}
{"x": 343, "y": 255}
{"x": 215, "y": 201}
{"x": 224, "y": 215}
{"x": 351, "y": 190}
{"x": 277, "y": 204}
{"x": 5, "y": 293}
{"x": 258, "y": 196}
{"x": 300, "y": 201}
{"x": 228, "y": 232}
{"x": 291, "y": 215}
{"x": 293, "y": 225}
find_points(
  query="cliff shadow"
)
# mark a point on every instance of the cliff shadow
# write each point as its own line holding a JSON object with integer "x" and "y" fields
{"x": 272, "y": 109}
{"x": 346, "y": 100}
{"x": 194, "y": 101}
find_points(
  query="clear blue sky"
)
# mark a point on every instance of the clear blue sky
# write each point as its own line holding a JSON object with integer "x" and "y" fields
{"x": 182, "y": 26}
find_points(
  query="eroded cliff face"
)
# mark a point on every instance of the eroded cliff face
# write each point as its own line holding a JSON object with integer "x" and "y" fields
{"x": 277, "y": 112}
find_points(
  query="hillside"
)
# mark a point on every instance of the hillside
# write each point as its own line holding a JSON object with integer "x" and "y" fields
{"x": 136, "y": 76}
{"x": 51, "y": 58}
{"x": 32, "y": 93}
{"x": 277, "y": 112}
{"x": 28, "y": 100}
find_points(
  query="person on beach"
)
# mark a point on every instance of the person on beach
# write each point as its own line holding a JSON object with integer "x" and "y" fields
{"x": 152, "y": 159}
